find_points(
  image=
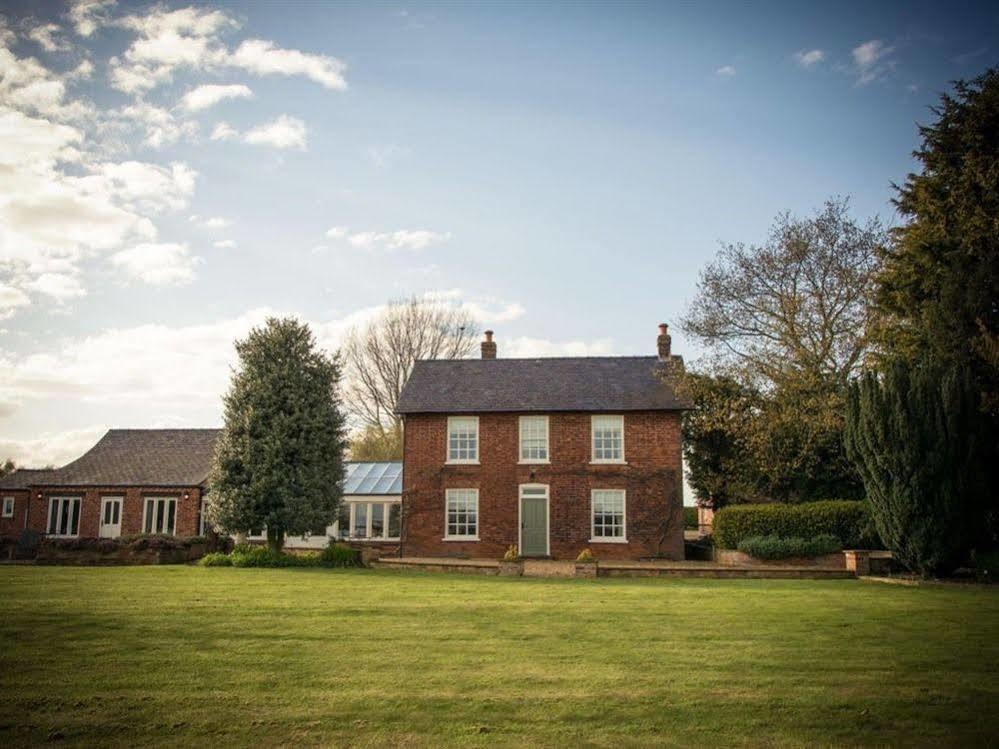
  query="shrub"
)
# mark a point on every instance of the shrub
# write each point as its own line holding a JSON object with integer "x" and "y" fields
{"x": 339, "y": 555}
{"x": 586, "y": 556}
{"x": 216, "y": 559}
{"x": 848, "y": 521}
{"x": 511, "y": 554}
{"x": 690, "y": 518}
{"x": 775, "y": 547}
{"x": 245, "y": 555}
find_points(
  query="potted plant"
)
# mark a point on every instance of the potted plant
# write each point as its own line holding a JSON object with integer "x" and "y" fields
{"x": 511, "y": 565}
{"x": 586, "y": 564}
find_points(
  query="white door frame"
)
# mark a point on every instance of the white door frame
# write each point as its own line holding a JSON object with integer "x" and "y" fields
{"x": 116, "y": 526}
{"x": 548, "y": 515}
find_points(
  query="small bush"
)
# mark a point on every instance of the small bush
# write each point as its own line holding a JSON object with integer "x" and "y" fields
{"x": 215, "y": 559}
{"x": 339, "y": 555}
{"x": 511, "y": 554}
{"x": 586, "y": 556}
{"x": 690, "y": 519}
{"x": 775, "y": 547}
{"x": 848, "y": 521}
{"x": 245, "y": 555}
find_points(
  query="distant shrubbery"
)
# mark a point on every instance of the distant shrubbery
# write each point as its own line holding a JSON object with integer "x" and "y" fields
{"x": 690, "y": 521}
{"x": 136, "y": 542}
{"x": 848, "y": 521}
{"x": 245, "y": 555}
{"x": 775, "y": 547}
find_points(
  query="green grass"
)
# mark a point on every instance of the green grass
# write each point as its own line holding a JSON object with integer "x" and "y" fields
{"x": 187, "y": 655}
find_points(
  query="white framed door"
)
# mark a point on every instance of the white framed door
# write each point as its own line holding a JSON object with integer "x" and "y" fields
{"x": 110, "y": 517}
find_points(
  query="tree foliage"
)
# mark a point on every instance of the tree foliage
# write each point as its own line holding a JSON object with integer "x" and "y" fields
{"x": 380, "y": 355}
{"x": 917, "y": 439}
{"x": 938, "y": 291}
{"x": 785, "y": 326}
{"x": 7, "y": 467}
{"x": 279, "y": 462}
{"x": 373, "y": 444}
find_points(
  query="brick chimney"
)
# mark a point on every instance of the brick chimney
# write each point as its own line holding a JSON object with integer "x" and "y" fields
{"x": 662, "y": 342}
{"x": 489, "y": 346}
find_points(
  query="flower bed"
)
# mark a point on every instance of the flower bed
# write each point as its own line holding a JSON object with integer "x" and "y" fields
{"x": 141, "y": 549}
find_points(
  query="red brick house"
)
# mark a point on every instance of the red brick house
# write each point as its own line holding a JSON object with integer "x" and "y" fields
{"x": 552, "y": 455}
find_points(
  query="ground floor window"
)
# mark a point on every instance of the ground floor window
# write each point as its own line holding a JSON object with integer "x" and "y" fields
{"x": 64, "y": 516}
{"x": 608, "y": 515}
{"x": 202, "y": 517}
{"x": 160, "y": 515}
{"x": 375, "y": 520}
{"x": 462, "y": 514}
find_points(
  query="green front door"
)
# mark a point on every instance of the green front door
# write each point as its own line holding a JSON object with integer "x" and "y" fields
{"x": 533, "y": 526}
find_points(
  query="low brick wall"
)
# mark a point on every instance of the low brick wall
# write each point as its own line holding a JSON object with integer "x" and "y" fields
{"x": 735, "y": 558}
{"x": 113, "y": 553}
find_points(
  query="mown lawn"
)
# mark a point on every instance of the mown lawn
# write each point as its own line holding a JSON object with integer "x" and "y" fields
{"x": 185, "y": 655}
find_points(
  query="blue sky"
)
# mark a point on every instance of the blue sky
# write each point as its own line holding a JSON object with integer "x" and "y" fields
{"x": 564, "y": 170}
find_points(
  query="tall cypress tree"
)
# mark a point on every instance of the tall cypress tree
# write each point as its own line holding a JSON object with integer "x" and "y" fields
{"x": 279, "y": 462}
{"x": 915, "y": 436}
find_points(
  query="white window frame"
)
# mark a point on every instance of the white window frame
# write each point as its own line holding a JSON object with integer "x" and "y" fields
{"x": 623, "y": 538}
{"x": 593, "y": 442}
{"x": 447, "y": 513}
{"x": 79, "y": 517}
{"x": 478, "y": 443}
{"x": 548, "y": 512}
{"x": 157, "y": 498}
{"x": 202, "y": 521}
{"x": 386, "y": 504}
{"x": 8, "y": 507}
{"x": 520, "y": 441}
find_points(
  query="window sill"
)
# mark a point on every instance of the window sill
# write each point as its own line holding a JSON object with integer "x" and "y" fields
{"x": 608, "y": 462}
{"x": 460, "y": 538}
{"x": 534, "y": 462}
{"x": 608, "y": 540}
{"x": 462, "y": 463}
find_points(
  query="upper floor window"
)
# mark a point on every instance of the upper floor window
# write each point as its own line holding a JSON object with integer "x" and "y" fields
{"x": 534, "y": 439}
{"x": 608, "y": 439}
{"x": 463, "y": 439}
{"x": 8, "y": 507}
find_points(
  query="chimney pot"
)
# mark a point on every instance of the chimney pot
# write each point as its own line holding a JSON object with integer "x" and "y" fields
{"x": 488, "y": 346}
{"x": 663, "y": 342}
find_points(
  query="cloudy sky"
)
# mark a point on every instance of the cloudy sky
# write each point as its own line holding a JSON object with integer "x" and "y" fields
{"x": 170, "y": 174}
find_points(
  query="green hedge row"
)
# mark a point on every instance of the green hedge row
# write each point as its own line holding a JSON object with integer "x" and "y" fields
{"x": 848, "y": 521}
{"x": 334, "y": 555}
{"x": 775, "y": 547}
{"x": 690, "y": 518}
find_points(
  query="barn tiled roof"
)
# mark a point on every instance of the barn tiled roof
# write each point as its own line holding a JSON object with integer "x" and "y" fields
{"x": 140, "y": 457}
{"x": 598, "y": 383}
{"x": 24, "y": 478}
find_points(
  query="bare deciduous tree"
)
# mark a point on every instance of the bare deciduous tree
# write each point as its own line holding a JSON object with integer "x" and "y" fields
{"x": 380, "y": 355}
{"x": 796, "y": 306}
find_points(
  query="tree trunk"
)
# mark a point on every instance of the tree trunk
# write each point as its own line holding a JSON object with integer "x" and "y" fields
{"x": 275, "y": 539}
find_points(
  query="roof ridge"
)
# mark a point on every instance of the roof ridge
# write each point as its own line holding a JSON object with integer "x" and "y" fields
{"x": 538, "y": 358}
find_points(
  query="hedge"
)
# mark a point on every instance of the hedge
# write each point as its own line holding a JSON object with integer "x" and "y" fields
{"x": 848, "y": 521}
{"x": 775, "y": 547}
{"x": 690, "y": 519}
{"x": 334, "y": 555}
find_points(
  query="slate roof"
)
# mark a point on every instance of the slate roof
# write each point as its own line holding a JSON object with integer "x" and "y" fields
{"x": 23, "y": 478}
{"x": 137, "y": 457}
{"x": 373, "y": 478}
{"x": 598, "y": 383}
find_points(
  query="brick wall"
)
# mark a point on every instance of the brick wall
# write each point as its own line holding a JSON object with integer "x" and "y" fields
{"x": 651, "y": 479}
{"x": 132, "y": 507}
{"x": 12, "y": 527}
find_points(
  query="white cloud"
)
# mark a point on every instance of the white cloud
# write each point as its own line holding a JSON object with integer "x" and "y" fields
{"x": 284, "y": 132}
{"x": 59, "y": 286}
{"x": 11, "y": 298}
{"x": 224, "y": 244}
{"x": 163, "y": 264}
{"x": 46, "y": 36}
{"x": 401, "y": 239}
{"x": 210, "y": 222}
{"x": 208, "y": 95}
{"x": 81, "y": 72}
{"x": 527, "y": 347}
{"x": 726, "y": 71}
{"x": 150, "y": 186}
{"x": 808, "y": 58}
{"x": 224, "y": 131}
{"x": 160, "y": 126}
{"x": 264, "y": 58}
{"x": 870, "y": 61}
{"x": 27, "y": 85}
{"x": 89, "y": 15}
